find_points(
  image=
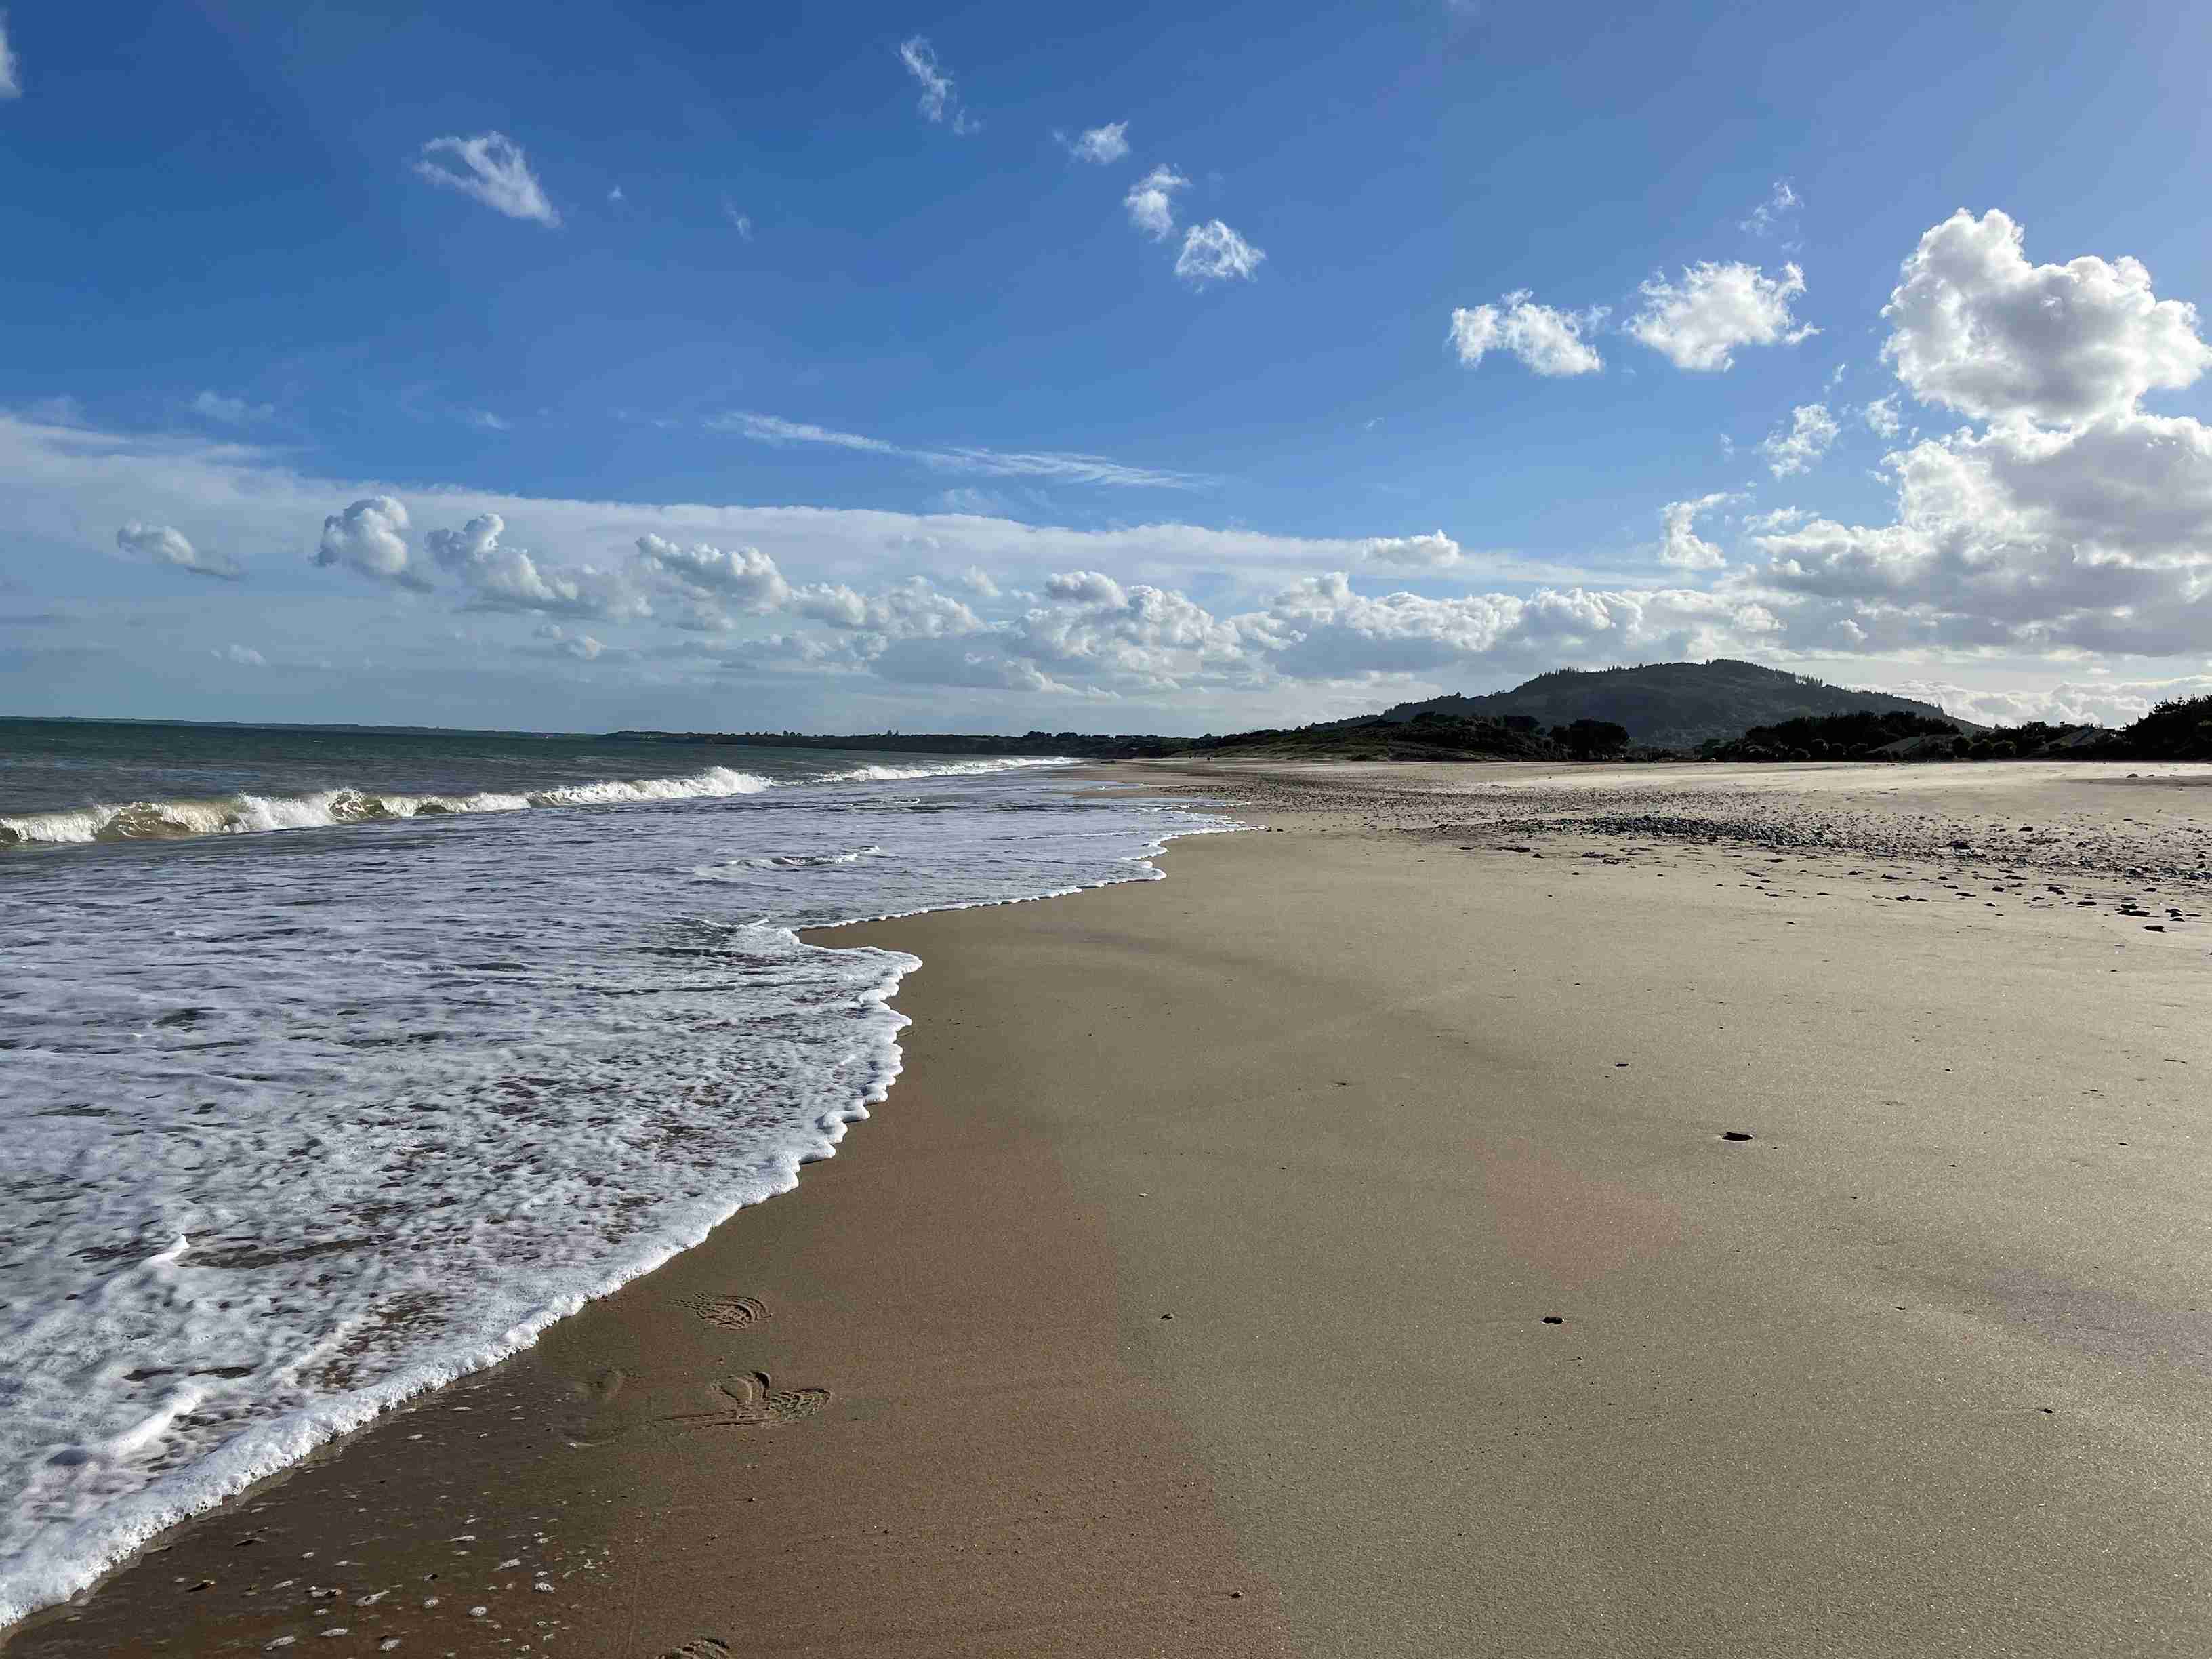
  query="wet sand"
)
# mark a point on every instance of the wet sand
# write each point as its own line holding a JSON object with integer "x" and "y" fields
{"x": 1194, "y": 1291}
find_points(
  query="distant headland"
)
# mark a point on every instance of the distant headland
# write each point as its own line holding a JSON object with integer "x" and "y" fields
{"x": 1722, "y": 709}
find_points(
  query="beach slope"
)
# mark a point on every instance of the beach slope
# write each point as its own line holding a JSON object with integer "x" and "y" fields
{"x": 1448, "y": 1221}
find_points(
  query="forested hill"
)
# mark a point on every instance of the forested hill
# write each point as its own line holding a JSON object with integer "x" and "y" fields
{"x": 1672, "y": 705}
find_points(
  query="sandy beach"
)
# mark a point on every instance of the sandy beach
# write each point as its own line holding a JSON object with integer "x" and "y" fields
{"x": 1486, "y": 1210}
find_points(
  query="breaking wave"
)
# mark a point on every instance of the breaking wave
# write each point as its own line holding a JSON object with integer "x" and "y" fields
{"x": 246, "y": 813}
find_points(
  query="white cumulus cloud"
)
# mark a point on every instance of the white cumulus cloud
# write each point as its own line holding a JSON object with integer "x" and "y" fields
{"x": 11, "y": 67}
{"x": 1799, "y": 446}
{"x": 1120, "y": 619}
{"x": 1679, "y": 545}
{"x": 744, "y": 577}
{"x": 2073, "y": 522}
{"x": 1213, "y": 252}
{"x": 165, "y": 545}
{"x": 501, "y": 577}
{"x": 370, "y": 539}
{"x": 1434, "y": 551}
{"x": 560, "y": 642}
{"x": 1150, "y": 200}
{"x": 1102, "y": 145}
{"x": 2088, "y": 538}
{"x": 244, "y": 655}
{"x": 1975, "y": 327}
{"x": 1699, "y": 323}
{"x": 1092, "y": 588}
{"x": 491, "y": 168}
{"x": 1548, "y": 340}
{"x": 1881, "y": 417}
{"x": 1781, "y": 518}
{"x": 910, "y": 610}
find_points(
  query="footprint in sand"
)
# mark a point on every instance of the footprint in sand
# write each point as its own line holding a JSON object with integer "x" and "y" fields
{"x": 732, "y": 1313}
{"x": 599, "y": 1421}
{"x": 756, "y": 1404}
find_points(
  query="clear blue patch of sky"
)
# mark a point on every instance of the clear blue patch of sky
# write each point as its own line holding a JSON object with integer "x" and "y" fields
{"x": 218, "y": 196}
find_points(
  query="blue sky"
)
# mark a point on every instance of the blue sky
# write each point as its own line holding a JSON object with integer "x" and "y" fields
{"x": 845, "y": 299}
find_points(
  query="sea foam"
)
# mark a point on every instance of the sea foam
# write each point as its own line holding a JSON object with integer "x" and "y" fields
{"x": 296, "y": 1135}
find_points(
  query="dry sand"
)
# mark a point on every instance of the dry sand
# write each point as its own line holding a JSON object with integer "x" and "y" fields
{"x": 1923, "y": 1366}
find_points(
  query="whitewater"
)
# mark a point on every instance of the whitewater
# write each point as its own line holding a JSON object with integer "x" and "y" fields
{"x": 302, "y": 1123}
{"x": 245, "y": 812}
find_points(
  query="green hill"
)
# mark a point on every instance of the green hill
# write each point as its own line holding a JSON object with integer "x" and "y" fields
{"x": 1672, "y": 705}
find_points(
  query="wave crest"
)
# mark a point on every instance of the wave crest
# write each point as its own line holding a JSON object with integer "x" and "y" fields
{"x": 246, "y": 813}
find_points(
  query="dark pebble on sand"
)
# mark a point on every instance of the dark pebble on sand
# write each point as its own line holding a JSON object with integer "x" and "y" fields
{"x": 1735, "y": 1134}
{"x": 1553, "y": 1319}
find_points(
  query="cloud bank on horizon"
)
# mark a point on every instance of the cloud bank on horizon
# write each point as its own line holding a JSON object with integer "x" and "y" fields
{"x": 1972, "y": 494}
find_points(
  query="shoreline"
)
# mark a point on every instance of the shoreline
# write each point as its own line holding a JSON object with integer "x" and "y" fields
{"x": 1360, "y": 1104}
{"x": 596, "y": 1388}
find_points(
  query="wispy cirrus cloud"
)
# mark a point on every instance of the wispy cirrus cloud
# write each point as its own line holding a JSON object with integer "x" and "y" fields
{"x": 233, "y": 411}
{"x": 939, "y": 101}
{"x": 491, "y": 168}
{"x": 774, "y": 430}
{"x": 11, "y": 68}
{"x": 1050, "y": 465}
{"x": 1777, "y": 213}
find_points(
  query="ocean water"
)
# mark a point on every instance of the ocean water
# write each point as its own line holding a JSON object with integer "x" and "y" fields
{"x": 311, "y": 1106}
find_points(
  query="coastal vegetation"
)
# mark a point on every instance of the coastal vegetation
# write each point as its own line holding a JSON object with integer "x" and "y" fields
{"x": 2178, "y": 730}
{"x": 1721, "y": 710}
{"x": 1862, "y": 734}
